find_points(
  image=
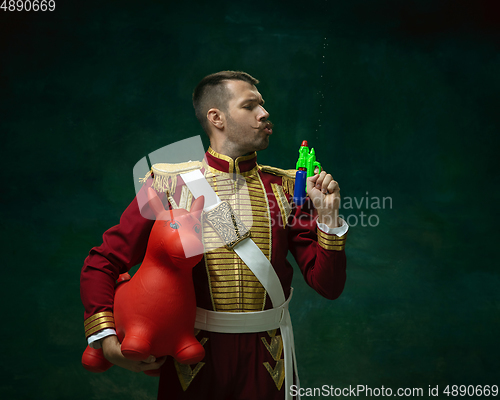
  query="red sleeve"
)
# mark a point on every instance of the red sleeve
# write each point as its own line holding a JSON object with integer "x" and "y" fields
{"x": 124, "y": 246}
{"x": 324, "y": 270}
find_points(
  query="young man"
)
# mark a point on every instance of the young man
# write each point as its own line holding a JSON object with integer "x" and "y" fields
{"x": 240, "y": 363}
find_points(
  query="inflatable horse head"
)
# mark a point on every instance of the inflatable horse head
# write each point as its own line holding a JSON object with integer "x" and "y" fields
{"x": 176, "y": 234}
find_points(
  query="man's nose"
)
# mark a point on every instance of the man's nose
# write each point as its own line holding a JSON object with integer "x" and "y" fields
{"x": 263, "y": 114}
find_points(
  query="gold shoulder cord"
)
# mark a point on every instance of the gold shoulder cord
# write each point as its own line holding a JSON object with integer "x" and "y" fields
{"x": 283, "y": 204}
{"x": 287, "y": 177}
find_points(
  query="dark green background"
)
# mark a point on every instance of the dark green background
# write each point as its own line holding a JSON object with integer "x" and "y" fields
{"x": 400, "y": 100}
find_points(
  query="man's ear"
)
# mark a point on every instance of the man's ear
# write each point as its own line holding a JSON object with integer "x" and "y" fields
{"x": 216, "y": 117}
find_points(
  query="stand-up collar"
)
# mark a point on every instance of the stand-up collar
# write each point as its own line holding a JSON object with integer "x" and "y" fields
{"x": 244, "y": 165}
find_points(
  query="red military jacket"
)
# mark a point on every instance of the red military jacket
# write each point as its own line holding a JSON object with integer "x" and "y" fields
{"x": 222, "y": 281}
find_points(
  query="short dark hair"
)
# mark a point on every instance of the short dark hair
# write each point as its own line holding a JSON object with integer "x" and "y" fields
{"x": 212, "y": 92}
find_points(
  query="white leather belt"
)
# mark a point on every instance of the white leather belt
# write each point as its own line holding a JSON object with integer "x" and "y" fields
{"x": 261, "y": 267}
{"x": 245, "y": 322}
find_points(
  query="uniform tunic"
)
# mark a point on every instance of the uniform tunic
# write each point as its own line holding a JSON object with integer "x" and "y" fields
{"x": 236, "y": 366}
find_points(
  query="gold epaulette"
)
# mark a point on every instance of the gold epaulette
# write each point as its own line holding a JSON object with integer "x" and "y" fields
{"x": 165, "y": 175}
{"x": 287, "y": 176}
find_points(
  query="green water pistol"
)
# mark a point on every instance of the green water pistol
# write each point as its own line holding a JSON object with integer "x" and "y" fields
{"x": 306, "y": 165}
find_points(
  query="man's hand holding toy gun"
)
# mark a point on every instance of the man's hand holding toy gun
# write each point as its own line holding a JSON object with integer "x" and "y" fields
{"x": 323, "y": 191}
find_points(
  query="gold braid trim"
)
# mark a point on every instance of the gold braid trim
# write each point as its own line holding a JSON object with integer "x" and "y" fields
{"x": 98, "y": 322}
{"x": 185, "y": 373}
{"x": 287, "y": 176}
{"x": 331, "y": 242}
{"x": 275, "y": 348}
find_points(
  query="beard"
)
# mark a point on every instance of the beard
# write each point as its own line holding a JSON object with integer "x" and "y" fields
{"x": 248, "y": 138}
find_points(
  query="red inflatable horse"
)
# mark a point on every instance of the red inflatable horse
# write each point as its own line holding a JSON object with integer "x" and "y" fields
{"x": 155, "y": 310}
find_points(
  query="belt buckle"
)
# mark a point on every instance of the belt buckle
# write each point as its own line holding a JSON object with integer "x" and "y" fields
{"x": 227, "y": 224}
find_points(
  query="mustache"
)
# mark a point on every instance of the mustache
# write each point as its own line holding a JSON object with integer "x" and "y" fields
{"x": 268, "y": 124}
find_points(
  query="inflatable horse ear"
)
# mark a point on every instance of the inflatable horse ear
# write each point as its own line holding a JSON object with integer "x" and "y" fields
{"x": 184, "y": 241}
{"x": 197, "y": 207}
{"x": 155, "y": 203}
{"x": 158, "y": 209}
{"x": 155, "y": 310}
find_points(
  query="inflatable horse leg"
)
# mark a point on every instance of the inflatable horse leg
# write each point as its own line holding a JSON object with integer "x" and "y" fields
{"x": 136, "y": 348}
{"x": 189, "y": 351}
{"x": 93, "y": 360}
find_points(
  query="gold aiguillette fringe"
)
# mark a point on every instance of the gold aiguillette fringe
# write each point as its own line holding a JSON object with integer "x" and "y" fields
{"x": 164, "y": 183}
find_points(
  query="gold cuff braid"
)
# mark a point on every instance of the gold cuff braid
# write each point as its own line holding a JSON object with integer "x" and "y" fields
{"x": 331, "y": 242}
{"x": 98, "y": 322}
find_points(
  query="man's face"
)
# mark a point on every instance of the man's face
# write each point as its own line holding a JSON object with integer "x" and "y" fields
{"x": 248, "y": 129}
